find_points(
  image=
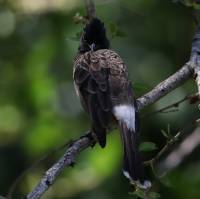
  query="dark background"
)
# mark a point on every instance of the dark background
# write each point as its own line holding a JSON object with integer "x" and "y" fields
{"x": 39, "y": 110}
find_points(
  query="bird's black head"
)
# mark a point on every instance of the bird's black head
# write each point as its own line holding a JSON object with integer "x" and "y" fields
{"x": 93, "y": 37}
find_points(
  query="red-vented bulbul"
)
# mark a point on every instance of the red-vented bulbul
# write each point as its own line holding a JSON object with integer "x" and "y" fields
{"x": 101, "y": 82}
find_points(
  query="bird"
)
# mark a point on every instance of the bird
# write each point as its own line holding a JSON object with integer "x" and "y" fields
{"x": 105, "y": 91}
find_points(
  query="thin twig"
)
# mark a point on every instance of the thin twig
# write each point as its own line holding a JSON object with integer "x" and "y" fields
{"x": 165, "y": 148}
{"x": 174, "y": 106}
{"x": 185, "y": 148}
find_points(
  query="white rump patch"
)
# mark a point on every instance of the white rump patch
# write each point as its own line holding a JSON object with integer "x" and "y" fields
{"x": 126, "y": 114}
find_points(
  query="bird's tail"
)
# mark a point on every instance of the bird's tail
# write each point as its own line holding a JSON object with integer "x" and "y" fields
{"x": 132, "y": 166}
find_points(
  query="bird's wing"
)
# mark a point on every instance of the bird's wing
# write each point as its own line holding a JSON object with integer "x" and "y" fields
{"x": 91, "y": 76}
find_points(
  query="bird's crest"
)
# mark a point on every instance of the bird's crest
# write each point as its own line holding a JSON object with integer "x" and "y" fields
{"x": 93, "y": 36}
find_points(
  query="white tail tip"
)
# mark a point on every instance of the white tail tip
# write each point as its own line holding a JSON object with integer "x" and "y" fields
{"x": 145, "y": 185}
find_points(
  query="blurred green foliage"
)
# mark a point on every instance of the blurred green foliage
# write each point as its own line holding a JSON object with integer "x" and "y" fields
{"x": 147, "y": 146}
{"x": 39, "y": 110}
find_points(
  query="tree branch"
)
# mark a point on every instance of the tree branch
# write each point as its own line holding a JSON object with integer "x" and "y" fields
{"x": 195, "y": 58}
{"x": 166, "y": 86}
{"x": 90, "y": 8}
{"x": 68, "y": 159}
{"x": 191, "y": 98}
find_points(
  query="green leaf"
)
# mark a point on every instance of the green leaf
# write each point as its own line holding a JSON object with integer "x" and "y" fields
{"x": 139, "y": 193}
{"x": 164, "y": 133}
{"x": 167, "y": 133}
{"x": 154, "y": 195}
{"x": 147, "y": 146}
